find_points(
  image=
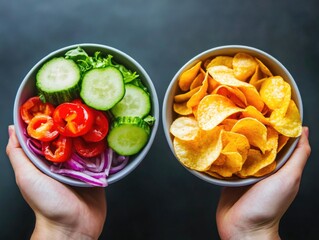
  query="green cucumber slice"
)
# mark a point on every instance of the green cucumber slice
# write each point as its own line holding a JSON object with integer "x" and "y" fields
{"x": 58, "y": 80}
{"x": 136, "y": 103}
{"x": 102, "y": 88}
{"x": 128, "y": 135}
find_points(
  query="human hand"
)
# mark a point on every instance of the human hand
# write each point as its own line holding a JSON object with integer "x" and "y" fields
{"x": 254, "y": 212}
{"x": 62, "y": 212}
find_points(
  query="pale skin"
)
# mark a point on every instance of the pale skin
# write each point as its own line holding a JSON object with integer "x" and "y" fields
{"x": 62, "y": 212}
{"x": 254, "y": 212}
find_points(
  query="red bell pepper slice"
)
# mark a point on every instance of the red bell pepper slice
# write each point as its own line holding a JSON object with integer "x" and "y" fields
{"x": 99, "y": 128}
{"x": 42, "y": 127}
{"x": 73, "y": 119}
{"x": 34, "y": 106}
{"x": 88, "y": 149}
{"x": 58, "y": 150}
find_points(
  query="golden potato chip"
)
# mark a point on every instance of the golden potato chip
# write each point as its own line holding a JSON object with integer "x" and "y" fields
{"x": 225, "y": 76}
{"x": 213, "y": 109}
{"x": 228, "y": 123}
{"x": 255, "y": 131}
{"x": 235, "y": 142}
{"x": 185, "y": 96}
{"x": 257, "y": 79}
{"x": 289, "y": 125}
{"x": 256, "y": 160}
{"x": 198, "y": 80}
{"x": 273, "y": 91}
{"x": 212, "y": 84}
{"x": 221, "y": 60}
{"x": 266, "y": 170}
{"x": 185, "y": 128}
{"x": 187, "y": 77}
{"x": 233, "y": 163}
{"x": 252, "y": 112}
{"x": 213, "y": 174}
{"x": 198, "y": 96}
{"x": 263, "y": 68}
{"x": 244, "y": 66}
{"x": 182, "y": 109}
{"x": 282, "y": 140}
{"x": 233, "y": 93}
{"x": 253, "y": 98}
{"x": 200, "y": 153}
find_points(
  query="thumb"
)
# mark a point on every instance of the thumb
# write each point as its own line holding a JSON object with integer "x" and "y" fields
{"x": 19, "y": 161}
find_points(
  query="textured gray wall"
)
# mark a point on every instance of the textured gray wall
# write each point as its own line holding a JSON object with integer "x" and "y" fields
{"x": 160, "y": 199}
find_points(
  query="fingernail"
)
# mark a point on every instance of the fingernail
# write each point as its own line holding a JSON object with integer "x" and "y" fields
{"x": 10, "y": 130}
{"x": 307, "y": 131}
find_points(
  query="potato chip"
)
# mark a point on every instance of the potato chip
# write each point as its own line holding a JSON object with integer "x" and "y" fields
{"x": 213, "y": 109}
{"x": 225, "y": 76}
{"x": 244, "y": 66}
{"x": 198, "y": 80}
{"x": 273, "y": 91}
{"x": 235, "y": 142}
{"x": 212, "y": 84}
{"x": 252, "y": 112}
{"x": 232, "y": 164}
{"x": 266, "y": 170}
{"x": 282, "y": 141}
{"x": 182, "y": 109}
{"x": 258, "y": 78}
{"x": 263, "y": 68}
{"x": 253, "y": 98}
{"x": 221, "y": 60}
{"x": 228, "y": 123}
{"x": 198, "y": 96}
{"x": 290, "y": 124}
{"x": 185, "y": 96}
{"x": 187, "y": 77}
{"x": 255, "y": 131}
{"x": 200, "y": 153}
{"x": 185, "y": 128}
{"x": 233, "y": 93}
{"x": 256, "y": 160}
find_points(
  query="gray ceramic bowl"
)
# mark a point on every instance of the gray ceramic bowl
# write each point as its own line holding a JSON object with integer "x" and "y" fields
{"x": 274, "y": 65}
{"x": 27, "y": 89}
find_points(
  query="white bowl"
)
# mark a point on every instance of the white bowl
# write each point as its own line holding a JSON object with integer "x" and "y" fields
{"x": 28, "y": 89}
{"x": 275, "y": 67}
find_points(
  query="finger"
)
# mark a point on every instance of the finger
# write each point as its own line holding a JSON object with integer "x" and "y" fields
{"x": 299, "y": 157}
{"x": 19, "y": 161}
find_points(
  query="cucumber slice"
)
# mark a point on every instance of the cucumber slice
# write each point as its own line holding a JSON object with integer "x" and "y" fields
{"x": 136, "y": 103}
{"x": 128, "y": 135}
{"x": 102, "y": 88}
{"x": 58, "y": 80}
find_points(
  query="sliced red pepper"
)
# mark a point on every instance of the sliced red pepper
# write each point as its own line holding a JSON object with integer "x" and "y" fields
{"x": 99, "y": 128}
{"x": 88, "y": 149}
{"x": 34, "y": 106}
{"x": 42, "y": 127}
{"x": 73, "y": 119}
{"x": 58, "y": 150}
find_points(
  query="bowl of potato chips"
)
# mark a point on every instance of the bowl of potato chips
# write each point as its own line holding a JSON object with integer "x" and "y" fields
{"x": 232, "y": 115}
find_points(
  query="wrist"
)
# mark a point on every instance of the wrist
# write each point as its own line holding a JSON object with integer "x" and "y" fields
{"x": 45, "y": 229}
{"x": 260, "y": 233}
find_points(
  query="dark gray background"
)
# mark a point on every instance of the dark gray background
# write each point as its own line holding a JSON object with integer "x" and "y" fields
{"x": 160, "y": 199}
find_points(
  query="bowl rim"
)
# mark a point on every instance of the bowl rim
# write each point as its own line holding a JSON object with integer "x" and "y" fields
{"x": 214, "y": 52}
{"x": 137, "y": 158}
